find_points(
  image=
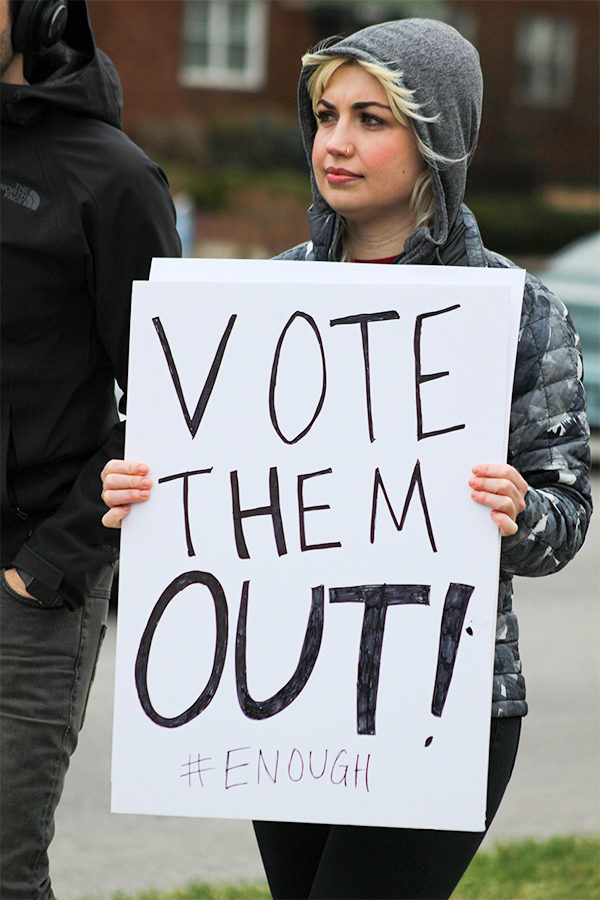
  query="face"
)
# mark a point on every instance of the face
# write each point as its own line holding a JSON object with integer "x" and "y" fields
{"x": 11, "y": 63}
{"x": 366, "y": 162}
{"x": 6, "y": 51}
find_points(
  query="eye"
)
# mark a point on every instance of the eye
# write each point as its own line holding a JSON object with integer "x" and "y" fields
{"x": 324, "y": 116}
{"x": 371, "y": 120}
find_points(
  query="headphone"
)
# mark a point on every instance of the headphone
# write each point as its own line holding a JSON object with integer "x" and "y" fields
{"x": 37, "y": 23}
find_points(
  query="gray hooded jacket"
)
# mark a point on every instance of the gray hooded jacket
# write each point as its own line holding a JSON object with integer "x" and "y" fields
{"x": 549, "y": 434}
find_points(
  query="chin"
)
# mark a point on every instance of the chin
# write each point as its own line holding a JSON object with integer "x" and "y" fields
{"x": 350, "y": 211}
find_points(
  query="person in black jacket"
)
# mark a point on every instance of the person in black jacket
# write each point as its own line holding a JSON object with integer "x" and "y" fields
{"x": 83, "y": 213}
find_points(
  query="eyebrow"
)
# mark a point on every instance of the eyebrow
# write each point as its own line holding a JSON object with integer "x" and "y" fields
{"x": 362, "y": 104}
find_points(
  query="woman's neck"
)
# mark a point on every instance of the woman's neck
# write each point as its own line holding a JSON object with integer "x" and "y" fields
{"x": 377, "y": 240}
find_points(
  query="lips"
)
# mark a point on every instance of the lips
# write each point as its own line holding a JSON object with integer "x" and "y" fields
{"x": 336, "y": 175}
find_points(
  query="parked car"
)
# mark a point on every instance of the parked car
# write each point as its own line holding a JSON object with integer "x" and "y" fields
{"x": 574, "y": 275}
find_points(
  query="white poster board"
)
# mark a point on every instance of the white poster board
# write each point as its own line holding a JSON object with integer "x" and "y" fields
{"x": 307, "y": 604}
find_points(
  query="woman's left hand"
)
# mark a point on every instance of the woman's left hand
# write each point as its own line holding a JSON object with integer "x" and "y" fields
{"x": 503, "y": 489}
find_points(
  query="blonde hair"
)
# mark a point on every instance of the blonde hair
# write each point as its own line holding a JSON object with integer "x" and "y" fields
{"x": 403, "y": 107}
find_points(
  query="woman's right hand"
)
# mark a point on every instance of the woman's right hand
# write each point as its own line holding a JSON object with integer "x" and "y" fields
{"x": 123, "y": 482}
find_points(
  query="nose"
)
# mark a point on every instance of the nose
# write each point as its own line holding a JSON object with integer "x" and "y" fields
{"x": 338, "y": 142}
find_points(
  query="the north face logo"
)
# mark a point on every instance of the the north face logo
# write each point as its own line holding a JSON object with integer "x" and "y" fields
{"x": 18, "y": 193}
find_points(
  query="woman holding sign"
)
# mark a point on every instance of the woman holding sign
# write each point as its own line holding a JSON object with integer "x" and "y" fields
{"x": 389, "y": 118}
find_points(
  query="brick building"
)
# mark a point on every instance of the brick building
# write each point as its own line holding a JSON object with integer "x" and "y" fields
{"x": 189, "y": 66}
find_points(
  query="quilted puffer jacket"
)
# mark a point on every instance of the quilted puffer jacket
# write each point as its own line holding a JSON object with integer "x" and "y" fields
{"x": 549, "y": 434}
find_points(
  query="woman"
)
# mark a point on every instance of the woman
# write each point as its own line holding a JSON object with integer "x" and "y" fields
{"x": 389, "y": 119}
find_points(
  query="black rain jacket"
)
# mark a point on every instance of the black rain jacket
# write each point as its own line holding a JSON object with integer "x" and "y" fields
{"x": 83, "y": 213}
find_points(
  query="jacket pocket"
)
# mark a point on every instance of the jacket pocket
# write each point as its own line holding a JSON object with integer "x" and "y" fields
{"x": 30, "y": 602}
{"x": 14, "y": 595}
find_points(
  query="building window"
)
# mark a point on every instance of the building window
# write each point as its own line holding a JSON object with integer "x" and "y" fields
{"x": 224, "y": 44}
{"x": 545, "y": 55}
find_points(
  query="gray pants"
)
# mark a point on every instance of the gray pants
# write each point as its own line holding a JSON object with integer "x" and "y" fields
{"x": 47, "y": 663}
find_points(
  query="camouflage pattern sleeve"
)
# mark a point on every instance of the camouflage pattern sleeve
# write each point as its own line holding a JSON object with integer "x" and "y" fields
{"x": 549, "y": 439}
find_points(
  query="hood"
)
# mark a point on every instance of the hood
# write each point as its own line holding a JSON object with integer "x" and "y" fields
{"x": 442, "y": 68}
{"x": 73, "y": 76}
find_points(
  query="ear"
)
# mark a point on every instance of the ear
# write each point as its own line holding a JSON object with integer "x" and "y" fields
{"x": 37, "y": 23}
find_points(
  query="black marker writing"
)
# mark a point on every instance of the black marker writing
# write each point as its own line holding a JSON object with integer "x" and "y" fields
{"x": 415, "y": 481}
{"x": 186, "y": 517}
{"x": 455, "y": 608}
{"x": 273, "y": 510}
{"x": 303, "y": 509}
{"x": 376, "y": 598}
{"x": 264, "y": 709}
{"x": 363, "y": 320}
{"x": 141, "y": 663}
{"x": 423, "y": 379}
{"x": 273, "y": 382}
{"x": 193, "y": 422}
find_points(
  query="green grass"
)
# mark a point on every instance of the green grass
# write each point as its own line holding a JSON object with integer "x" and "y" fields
{"x": 561, "y": 868}
{"x": 202, "y": 891}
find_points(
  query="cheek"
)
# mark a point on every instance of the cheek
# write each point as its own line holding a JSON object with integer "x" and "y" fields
{"x": 383, "y": 159}
{"x": 318, "y": 162}
{"x": 317, "y": 150}
{"x": 414, "y": 162}
{"x": 399, "y": 156}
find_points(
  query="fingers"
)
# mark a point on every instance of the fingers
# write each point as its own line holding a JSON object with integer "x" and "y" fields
{"x": 502, "y": 512}
{"x": 114, "y": 517}
{"x": 501, "y": 488}
{"x": 15, "y": 581}
{"x": 506, "y": 525}
{"x": 125, "y": 496}
{"x": 504, "y": 471}
{"x": 501, "y": 493}
{"x": 124, "y": 482}
{"x": 123, "y": 467}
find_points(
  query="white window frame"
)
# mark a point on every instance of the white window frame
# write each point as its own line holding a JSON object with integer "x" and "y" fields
{"x": 546, "y": 47}
{"x": 216, "y": 74}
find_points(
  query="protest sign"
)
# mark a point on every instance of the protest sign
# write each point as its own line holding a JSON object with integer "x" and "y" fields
{"x": 307, "y": 603}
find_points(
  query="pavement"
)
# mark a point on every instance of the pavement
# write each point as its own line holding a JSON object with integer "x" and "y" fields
{"x": 555, "y": 788}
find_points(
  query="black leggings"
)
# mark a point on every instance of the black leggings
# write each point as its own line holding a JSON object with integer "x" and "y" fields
{"x": 304, "y": 860}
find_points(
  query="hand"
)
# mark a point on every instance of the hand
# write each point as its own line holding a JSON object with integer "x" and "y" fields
{"x": 123, "y": 482}
{"x": 14, "y": 580}
{"x": 503, "y": 489}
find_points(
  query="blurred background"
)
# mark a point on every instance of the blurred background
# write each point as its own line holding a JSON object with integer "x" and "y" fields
{"x": 210, "y": 93}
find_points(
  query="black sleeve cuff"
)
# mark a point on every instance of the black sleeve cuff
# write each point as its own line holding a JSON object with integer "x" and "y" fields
{"x": 48, "y": 581}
